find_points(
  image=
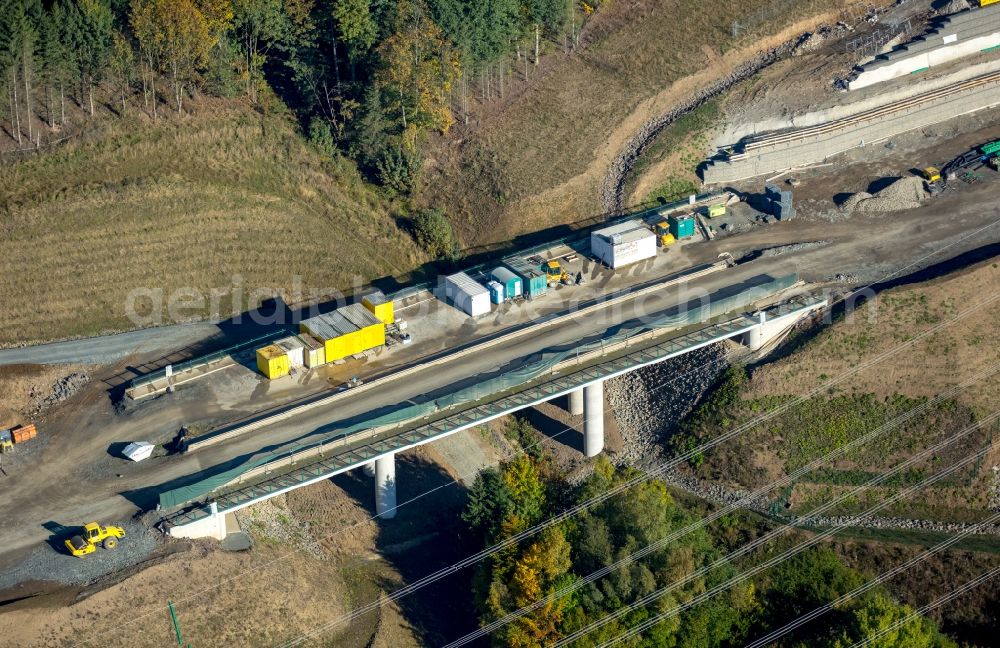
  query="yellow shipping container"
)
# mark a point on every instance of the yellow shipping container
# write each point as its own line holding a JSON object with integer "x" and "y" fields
{"x": 346, "y": 331}
{"x": 349, "y": 344}
{"x": 380, "y": 306}
{"x": 272, "y": 361}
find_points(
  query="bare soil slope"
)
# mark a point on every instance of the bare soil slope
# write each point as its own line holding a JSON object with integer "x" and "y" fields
{"x": 539, "y": 158}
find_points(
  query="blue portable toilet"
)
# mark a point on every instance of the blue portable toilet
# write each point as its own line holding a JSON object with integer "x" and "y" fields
{"x": 496, "y": 291}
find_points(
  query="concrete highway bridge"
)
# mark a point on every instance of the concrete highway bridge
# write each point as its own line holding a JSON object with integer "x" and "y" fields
{"x": 577, "y": 370}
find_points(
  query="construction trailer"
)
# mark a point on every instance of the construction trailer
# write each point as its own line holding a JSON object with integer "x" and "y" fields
{"x": 345, "y": 332}
{"x": 273, "y": 362}
{"x": 623, "y": 244}
{"x": 467, "y": 294}
{"x": 380, "y": 306}
{"x": 533, "y": 279}
{"x": 511, "y": 282}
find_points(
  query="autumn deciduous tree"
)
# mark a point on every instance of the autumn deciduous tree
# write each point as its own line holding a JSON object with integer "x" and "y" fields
{"x": 418, "y": 68}
{"x": 177, "y": 37}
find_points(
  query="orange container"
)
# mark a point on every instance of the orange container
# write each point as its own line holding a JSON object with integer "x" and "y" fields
{"x": 23, "y": 433}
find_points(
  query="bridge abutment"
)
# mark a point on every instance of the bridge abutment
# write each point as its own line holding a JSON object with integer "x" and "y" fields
{"x": 385, "y": 486}
{"x": 593, "y": 419}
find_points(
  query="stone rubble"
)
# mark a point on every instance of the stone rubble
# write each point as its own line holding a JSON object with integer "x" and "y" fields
{"x": 60, "y": 391}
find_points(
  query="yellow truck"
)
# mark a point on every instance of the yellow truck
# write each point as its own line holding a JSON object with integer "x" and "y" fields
{"x": 94, "y": 534}
{"x": 663, "y": 235}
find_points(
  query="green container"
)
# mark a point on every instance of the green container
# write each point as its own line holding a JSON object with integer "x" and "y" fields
{"x": 511, "y": 282}
{"x": 681, "y": 227}
{"x": 991, "y": 148}
{"x": 532, "y": 278}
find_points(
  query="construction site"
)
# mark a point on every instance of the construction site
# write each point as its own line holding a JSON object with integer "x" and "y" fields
{"x": 858, "y": 167}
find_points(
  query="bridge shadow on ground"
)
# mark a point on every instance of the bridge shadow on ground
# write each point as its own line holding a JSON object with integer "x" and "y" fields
{"x": 564, "y": 435}
{"x": 426, "y": 535}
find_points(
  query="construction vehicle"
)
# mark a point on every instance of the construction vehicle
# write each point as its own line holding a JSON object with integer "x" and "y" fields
{"x": 6, "y": 441}
{"x": 94, "y": 534}
{"x": 932, "y": 174}
{"x": 554, "y": 273}
{"x": 663, "y": 236}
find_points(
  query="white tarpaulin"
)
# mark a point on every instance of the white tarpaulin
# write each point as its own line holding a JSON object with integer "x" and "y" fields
{"x": 138, "y": 451}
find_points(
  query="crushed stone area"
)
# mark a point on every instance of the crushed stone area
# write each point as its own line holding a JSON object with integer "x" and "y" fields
{"x": 649, "y": 403}
{"x": 272, "y": 522}
{"x": 51, "y": 562}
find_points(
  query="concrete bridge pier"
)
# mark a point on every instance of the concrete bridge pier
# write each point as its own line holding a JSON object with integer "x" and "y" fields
{"x": 575, "y": 399}
{"x": 755, "y": 337}
{"x": 593, "y": 419}
{"x": 385, "y": 486}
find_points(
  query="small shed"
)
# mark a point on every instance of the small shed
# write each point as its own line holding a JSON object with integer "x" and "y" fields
{"x": 496, "y": 292}
{"x": 511, "y": 282}
{"x": 272, "y": 361}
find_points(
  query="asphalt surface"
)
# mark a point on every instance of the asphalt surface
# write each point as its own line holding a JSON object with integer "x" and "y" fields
{"x": 108, "y": 349}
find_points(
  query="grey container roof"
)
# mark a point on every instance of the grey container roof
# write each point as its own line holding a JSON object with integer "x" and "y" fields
{"x": 375, "y": 298}
{"x": 503, "y": 275}
{"x": 523, "y": 266}
{"x": 341, "y": 321}
{"x": 620, "y": 228}
{"x": 466, "y": 284}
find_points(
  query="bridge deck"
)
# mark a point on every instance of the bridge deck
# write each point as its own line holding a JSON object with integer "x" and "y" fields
{"x": 614, "y": 362}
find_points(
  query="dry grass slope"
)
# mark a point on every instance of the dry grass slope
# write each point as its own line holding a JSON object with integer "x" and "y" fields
{"x": 187, "y": 203}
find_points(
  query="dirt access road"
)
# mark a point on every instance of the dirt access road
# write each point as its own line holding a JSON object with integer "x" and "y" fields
{"x": 869, "y": 248}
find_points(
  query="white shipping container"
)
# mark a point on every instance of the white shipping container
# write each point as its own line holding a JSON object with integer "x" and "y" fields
{"x": 467, "y": 294}
{"x": 623, "y": 244}
{"x": 294, "y": 349}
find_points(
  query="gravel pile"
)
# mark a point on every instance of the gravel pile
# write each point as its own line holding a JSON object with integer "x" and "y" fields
{"x": 794, "y": 247}
{"x": 60, "y": 391}
{"x": 649, "y": 403}
{"x": 51, "y": 562}
{"x": 951, "y": 6}
{"x": 904, "y": 193}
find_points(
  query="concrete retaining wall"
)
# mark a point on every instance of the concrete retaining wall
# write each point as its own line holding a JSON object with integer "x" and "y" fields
{"x": 963, "y": 34}
{"x": 789, "y": 151}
